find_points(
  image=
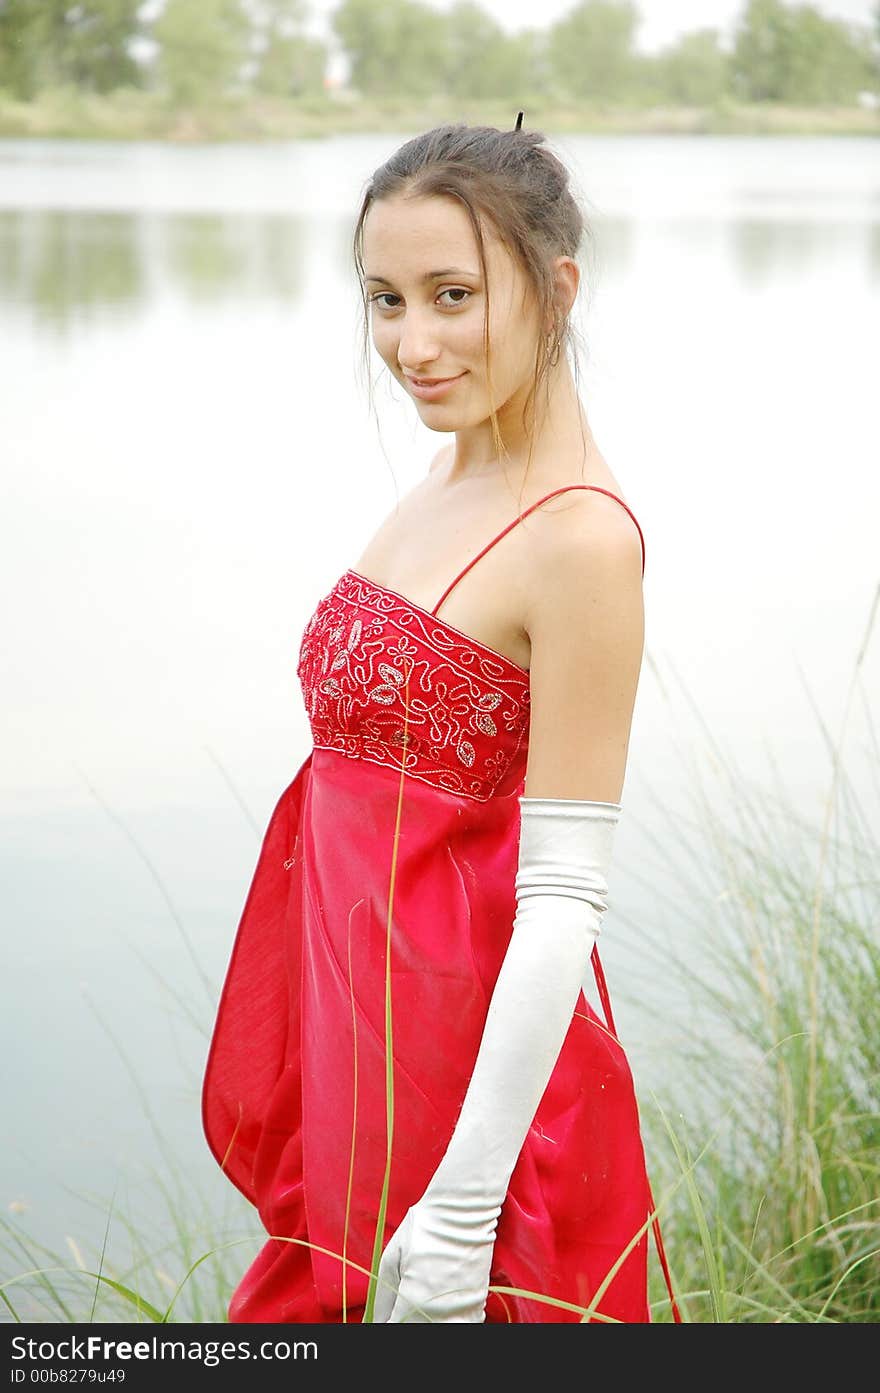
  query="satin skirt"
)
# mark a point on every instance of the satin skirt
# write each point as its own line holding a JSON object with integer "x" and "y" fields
{"x": 356, "y": 888}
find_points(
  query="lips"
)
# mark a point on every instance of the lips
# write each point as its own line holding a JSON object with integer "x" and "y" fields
{"x": 431, "y": 381}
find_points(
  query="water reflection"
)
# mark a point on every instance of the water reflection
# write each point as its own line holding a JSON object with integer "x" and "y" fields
{"x": 69, "y": 267}
{"x": 66, "y": 267}
{"x": 211, "y": 257}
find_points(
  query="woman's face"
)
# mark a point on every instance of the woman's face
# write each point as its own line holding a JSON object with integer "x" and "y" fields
{"x": 426, "y": 325}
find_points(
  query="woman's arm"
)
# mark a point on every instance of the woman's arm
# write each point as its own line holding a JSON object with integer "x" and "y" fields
{"x": 586, "y": 625}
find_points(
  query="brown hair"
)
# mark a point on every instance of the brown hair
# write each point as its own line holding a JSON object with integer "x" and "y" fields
{"x": 514, "y": 181}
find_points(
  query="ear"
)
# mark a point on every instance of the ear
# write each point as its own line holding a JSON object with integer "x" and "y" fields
{"x": 567, "y": 277}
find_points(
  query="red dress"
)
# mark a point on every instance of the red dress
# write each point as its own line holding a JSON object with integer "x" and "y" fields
{"x": 408, "y": 798}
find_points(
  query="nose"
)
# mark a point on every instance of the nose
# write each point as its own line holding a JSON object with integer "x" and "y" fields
{"x": 417, "y": 346}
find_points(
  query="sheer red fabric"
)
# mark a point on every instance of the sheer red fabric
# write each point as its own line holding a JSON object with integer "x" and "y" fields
{"x": 402, "y": 826}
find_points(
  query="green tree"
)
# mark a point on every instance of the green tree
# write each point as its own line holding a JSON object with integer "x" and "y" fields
{"x": 826, "y": 62}
{"x": 798, "y": 56}
{"x": 43, "y": 42}
{"x": 480, "y": 59}
{"x": 394, "y": 48}
{"x": 97, "y": 54}
{"x": 203, "y": 48}
{"x": 760, "y": 43}
{"x": 591, "y": 50}
{"x": 289, "y": 62}
{"x": 25, "y": 45}
{"x": 693, "y": 71}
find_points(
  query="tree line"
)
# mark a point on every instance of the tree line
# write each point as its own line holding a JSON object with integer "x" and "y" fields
{"x": 194, "y": 51}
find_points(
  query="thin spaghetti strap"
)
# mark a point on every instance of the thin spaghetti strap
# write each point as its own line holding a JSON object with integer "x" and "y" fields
{"x": 565, "y": 489}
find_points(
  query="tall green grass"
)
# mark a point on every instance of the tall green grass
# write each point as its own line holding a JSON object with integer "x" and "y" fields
{"x": 782, "y": 1117}
{"x": 764, "y": 1144}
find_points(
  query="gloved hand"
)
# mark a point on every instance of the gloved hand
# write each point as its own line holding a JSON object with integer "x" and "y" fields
{"x": 436, "y": 1265}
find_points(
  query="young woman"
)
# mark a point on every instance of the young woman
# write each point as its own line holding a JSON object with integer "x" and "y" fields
{"x": 405, "y": 1076}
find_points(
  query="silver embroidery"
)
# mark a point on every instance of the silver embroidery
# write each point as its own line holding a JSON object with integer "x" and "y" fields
{"x": 466, "y": 707}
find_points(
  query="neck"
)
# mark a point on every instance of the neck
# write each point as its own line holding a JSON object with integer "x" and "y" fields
{"x": 561, "y": 427}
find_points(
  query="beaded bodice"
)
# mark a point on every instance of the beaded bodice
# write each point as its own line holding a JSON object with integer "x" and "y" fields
{"x": 389, "y": 682}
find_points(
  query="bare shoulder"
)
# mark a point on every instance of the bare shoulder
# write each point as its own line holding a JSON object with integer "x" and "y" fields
{"x": 589, "y": 548}
{"x": 585, "y": 623}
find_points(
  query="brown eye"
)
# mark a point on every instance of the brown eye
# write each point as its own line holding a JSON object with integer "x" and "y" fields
{"x": 456, "y": 290}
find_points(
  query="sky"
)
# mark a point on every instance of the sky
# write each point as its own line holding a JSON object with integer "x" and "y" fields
{"x": 662, "y": 22}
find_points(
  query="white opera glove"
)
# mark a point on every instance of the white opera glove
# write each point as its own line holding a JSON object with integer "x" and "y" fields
{"x": 436, "y": 1265}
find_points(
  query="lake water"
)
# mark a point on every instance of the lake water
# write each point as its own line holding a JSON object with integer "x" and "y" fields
{"x": 189, "y": 462}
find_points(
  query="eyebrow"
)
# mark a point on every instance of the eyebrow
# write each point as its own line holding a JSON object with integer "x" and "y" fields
{"x": 430, "y": 275}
